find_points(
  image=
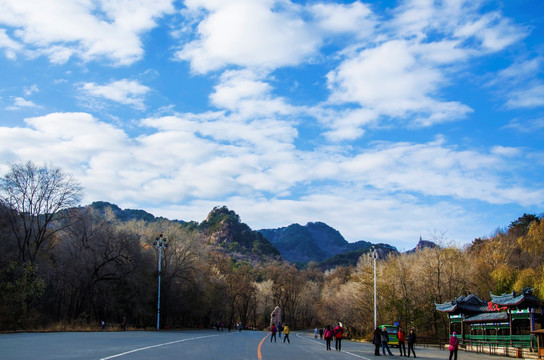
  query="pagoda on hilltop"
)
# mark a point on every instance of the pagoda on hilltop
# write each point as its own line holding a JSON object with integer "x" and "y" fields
{"x": 506, "y": 320}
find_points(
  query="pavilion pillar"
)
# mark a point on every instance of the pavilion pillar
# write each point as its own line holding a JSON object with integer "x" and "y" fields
{"x": 510, "y": 324}
{"x": 532, "y": 325}
{"x": 463, "y": 328}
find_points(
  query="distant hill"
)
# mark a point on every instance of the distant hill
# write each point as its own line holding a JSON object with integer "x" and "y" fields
{"x": 302, "y": 244}
{"x": 351, "y": 258}
{"x": 123, "y": 215}
{"x": 320, "y": 243}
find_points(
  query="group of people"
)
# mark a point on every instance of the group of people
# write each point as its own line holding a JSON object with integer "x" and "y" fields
{"x": 280, "y": 329}
{"x": 330, "y": 333}
{"x": 381, "y": 339}
{"x": 220, "y": 326}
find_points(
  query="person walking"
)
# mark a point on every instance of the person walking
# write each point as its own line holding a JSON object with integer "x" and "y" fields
{"x": 411, "y": 341}
{"x": 273, "y": 330}
{"x": 321, "y": 331}
{"x": 377, "y": 341}
{"x": 328, "y": 336}
{"x": 402, "y": 337}
{"x": 338, "y": 332}
{"x": 454, "y": 345}
{"x": 315, "y": 333}
{"x": 286, "y": 332}
{"x": 385, "y": 341}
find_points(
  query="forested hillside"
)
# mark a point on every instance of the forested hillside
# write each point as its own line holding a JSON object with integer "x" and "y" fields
{"x": 65, "y": 266}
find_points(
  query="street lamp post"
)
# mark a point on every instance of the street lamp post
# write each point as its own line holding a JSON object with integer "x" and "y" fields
{"x": 374, "y": 255}
{"x": 159, "y": 243}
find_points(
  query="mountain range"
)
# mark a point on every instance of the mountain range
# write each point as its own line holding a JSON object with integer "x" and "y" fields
{"x": 314, "y": 242}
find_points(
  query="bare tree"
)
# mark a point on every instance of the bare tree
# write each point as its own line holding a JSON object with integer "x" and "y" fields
{"x": 32, "y": 198}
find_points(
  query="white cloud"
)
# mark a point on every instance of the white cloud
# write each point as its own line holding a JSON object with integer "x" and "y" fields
{"x": 506, "y": 151}
{"x": 247, "y": 93}
{"x": 10, "y": 46}
{"x": 520, "y": 84}
{"x": 29, "y": 90}
{"x": 344, "y": 18}
{"x": 67, "y": 139}
{"x": 412, "y": 17}
{"x": 456, "y": 20}
{"x": 408, "y": 89}
{"x": 401, "y": 74}
{"x": 519, "y": 71}
{"x": 526, "y": 125}
{"x": 127, "y": 92}
{"x": 248, "y": 33}
{"x": 19, "y": 103}
{"x": 345, "y": 124}
{"x": 88, "y": 29}
{"x": 197, "y": 160}
{"x": 394, "y": 88}
{"x": 529, "y": 97}
{"x": 493, "y": 31}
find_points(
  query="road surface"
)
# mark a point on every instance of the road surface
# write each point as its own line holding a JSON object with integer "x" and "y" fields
{"x": 192, "y": 344}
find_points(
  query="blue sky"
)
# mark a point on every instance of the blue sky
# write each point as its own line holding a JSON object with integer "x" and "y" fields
{"x": 386, "y": 120}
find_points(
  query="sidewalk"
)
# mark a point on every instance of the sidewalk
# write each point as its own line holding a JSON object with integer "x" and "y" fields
{"x": 433, "y": 353}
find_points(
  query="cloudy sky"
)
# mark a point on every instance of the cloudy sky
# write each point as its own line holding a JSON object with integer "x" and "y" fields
{"x": 387, "y": 120}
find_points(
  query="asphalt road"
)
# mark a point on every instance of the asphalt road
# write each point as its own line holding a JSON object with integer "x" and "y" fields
{"x": 192, "y": 344}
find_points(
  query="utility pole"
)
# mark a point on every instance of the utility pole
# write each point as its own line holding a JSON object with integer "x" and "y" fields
{"x": 374, "y": 255}
{"x": 159, "y": 243}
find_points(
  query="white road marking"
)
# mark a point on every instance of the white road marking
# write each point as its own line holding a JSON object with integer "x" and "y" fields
{"x": 154, "y": 346}
{"x": 321, "y": 343}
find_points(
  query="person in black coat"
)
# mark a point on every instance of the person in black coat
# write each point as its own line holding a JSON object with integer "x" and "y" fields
{"x": 377, "y": 341}
{"x": 411, "y": 341}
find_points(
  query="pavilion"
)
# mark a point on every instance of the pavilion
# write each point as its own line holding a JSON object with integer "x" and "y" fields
{"x": 506, "y": 320}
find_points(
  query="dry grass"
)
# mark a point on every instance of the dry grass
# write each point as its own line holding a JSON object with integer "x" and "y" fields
{"x": 71, "y": 326}
{"x": 79, "y": 327}
{"x": 76, "y": 326}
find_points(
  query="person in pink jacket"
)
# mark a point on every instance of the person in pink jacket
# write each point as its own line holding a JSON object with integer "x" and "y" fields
{"x": 454, "y": 345}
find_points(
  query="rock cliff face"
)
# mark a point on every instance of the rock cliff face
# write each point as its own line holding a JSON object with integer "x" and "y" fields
{"x": 422, "y": 244}
{"x": 297, "y": 243}
{"x": 224, "y": 229}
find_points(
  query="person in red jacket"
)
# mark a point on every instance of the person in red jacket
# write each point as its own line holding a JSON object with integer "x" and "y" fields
{"x": 273, "y": 330}
{"x": 338, "y": 332}
{"x": 402, "y": 338}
